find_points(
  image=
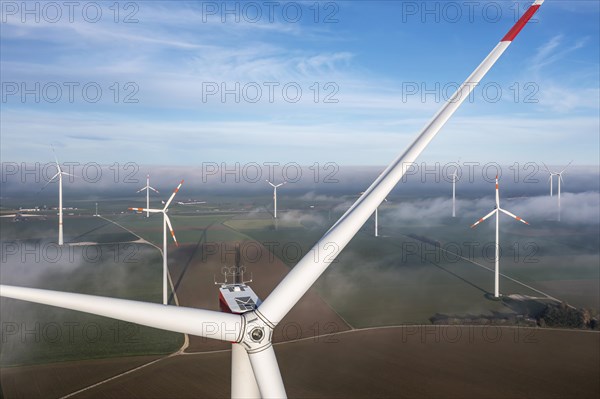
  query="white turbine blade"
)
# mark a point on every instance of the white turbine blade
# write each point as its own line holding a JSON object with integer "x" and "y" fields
{"x": 243, "y": 383}
{"x": 497, "y": 193}
{"x": 483, "y": 218}
{"x": 56, "y": 159}
{"x": 49, "y": 181}
{"x": 267, "y": 374}
{"x": 145, "y": 210}
{"x": 203, "y": 323}
{"x": 565, "y": 168}
{"x": 512, "y": 215}
{"x": 272, "y": 185}
{"x": 280, "y": 184}
{"x": 173, "y": 195}
{"x": 324, "y": 252}
{"x": 141, "y": 189}
{"x": 547, "y": 169}
{"x": 171, "y": 229}
{"x": 153, "y": 189}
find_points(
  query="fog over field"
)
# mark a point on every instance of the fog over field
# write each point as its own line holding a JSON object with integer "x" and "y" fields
{"x": 95, "y": 181}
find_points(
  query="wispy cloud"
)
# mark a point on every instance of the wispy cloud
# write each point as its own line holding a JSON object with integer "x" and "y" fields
{"x": 174, "y": 51}
{"x": 553, "y": 51}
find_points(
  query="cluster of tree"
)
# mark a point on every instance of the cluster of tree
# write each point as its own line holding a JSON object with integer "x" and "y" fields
{"x": 565, "y": 316}
{"x": 499, "y": 319}
{"x": 553, "y": 315}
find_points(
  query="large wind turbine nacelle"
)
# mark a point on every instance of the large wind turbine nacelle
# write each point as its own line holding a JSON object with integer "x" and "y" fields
{"x": 236, "y": 296}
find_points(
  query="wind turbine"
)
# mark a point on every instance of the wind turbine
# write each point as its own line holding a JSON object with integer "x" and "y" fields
{"x": 254, "y": 365}
{"x": 275, "y": 196}
{"x": 559, "y": 179}
{"x": 60, "y": 175}
{"x": 496, "y": 212}
{"x": 148, "y": 188}
{"x": 166, "y": 223}
{"x": 454, "y": 177}
{"x": 376, "y": 217}
{"x": 550, "y": 178}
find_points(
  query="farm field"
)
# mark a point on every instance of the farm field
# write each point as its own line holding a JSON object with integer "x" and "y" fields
{"x": 405, "y": 277}
{"x": 481, "y": 360}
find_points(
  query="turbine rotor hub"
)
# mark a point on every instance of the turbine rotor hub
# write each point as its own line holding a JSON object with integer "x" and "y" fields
{"x": 257, "y": 334}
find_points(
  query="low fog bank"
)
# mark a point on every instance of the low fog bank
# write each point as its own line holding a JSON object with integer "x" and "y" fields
{"x": 320, "y": 183}
{"x": 576, "y": 208}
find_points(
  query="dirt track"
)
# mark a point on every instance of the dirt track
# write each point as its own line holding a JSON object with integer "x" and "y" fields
{"x": 58, "y": 379}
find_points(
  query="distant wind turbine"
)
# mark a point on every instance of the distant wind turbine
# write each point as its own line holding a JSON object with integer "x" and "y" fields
{"x": 166, "y": 222}
{"x": 497, "y": 211}
{"x": 454, "y": 177}
{"x": 148, "y": 188}
{"x": 376, "y": 216}
{"x": 560, "y": 179}
{"x": 59, "y": 174}
{"x": 275, "y": 196}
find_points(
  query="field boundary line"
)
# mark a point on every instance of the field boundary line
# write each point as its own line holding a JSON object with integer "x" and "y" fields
{"x": 186, "y": 340}
{"x": 548, "y": 296}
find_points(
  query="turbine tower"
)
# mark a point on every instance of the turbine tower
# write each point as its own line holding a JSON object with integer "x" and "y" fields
{"x": 148, "y": 188}
{"x": 377, "y": 220}
{"x": 275, "y": 196}
{"x": 166, "y": 223}
{"x": 254, "y": 361}
{"x": 454, "y": 178}
{"x": 496, "y": 212}
{"x": 376, "y": 216}
{"x": 60, "y": 175}
{"x": 560, "y": 180}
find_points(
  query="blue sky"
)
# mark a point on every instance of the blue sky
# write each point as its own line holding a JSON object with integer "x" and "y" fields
{"x": 368, "y": 57}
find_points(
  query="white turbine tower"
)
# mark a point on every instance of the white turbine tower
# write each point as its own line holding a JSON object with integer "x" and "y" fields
{"x": 454, "y": 178}
{"x": 376, "y": 217}
{"x": 496, "y": 212}
{"x": 147, "y": 188}
{"x": 166, "y": 223}
{"x": 560, "y": 180}
{"x": 253, "y": 358}
{"x": 275, "y": 196}
{"x": 550, "y": 178}
{"x": 60, "y": 175}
